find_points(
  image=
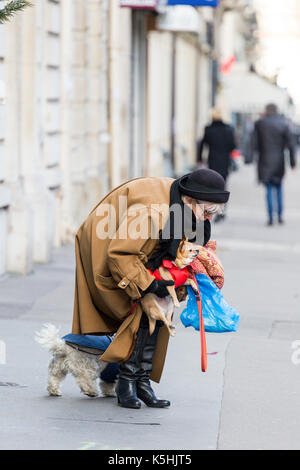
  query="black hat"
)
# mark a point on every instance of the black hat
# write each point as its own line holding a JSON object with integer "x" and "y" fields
{"x": 204, "y": 185}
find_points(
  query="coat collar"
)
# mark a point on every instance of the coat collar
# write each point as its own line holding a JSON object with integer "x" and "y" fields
{"x": 167, "y": 238}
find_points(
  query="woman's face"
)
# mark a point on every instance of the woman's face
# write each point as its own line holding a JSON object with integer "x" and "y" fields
{"x": 202, "y": 210}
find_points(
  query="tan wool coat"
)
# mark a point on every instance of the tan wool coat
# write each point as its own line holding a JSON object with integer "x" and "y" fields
{"x": 111, "y": 272}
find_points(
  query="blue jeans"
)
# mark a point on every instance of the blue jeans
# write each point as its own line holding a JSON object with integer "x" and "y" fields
{"x": 110, "y": 373}
{"x": 271, "y": 188}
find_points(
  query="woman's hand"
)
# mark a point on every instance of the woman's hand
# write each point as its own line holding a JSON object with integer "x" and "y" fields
{"x": 159, "y": 288}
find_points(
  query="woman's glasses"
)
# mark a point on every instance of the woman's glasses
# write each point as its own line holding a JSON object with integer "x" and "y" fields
{"x": 212, "y": 210}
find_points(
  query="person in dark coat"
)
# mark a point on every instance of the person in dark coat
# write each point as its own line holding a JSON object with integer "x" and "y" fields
{"x": 271, "y": 137}
{"x": 220, "y": 140}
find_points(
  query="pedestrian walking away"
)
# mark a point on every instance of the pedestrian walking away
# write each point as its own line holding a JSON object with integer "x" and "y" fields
{"x": 220, "y": 140}
{"x": 271, "y": 137}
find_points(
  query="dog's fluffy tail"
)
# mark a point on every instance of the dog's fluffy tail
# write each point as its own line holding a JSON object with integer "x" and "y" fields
{"x": 50, "y": 339}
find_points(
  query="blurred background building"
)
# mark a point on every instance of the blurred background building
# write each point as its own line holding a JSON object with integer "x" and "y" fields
{"x": 96, "y": 92}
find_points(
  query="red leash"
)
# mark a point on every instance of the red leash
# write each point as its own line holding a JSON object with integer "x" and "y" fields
{"x": 133, "y": 307}
{"x": 202, "y": 330}
{"x": 201, "y": 326}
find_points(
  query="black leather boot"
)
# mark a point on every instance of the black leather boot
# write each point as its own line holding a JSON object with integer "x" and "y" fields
{"x": 143, "y": 386}
{"x": 126, "y": 393}
{"x": 129, "y": 372}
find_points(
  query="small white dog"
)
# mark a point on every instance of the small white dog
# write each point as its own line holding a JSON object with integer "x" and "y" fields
{"x": 85, "y": 367}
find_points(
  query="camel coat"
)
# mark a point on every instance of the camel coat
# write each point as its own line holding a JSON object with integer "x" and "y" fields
{"x": 111, "y": 272}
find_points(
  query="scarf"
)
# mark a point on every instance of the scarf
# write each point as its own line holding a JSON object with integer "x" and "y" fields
{"x": 170, "y": 237}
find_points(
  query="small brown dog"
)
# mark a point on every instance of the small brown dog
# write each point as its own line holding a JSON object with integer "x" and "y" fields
{"x": 163, "y": 309}
{"x": 158, "y": 309}
{"x": 186, "y": 253}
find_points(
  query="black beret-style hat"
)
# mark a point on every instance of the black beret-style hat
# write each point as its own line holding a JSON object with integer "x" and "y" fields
{"x": 204, "y": 185}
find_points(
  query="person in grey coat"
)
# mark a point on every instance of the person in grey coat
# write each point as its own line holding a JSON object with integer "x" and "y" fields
{"x": 271, "y": 137}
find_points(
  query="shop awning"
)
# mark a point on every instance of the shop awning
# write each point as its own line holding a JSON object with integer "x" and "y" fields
{"x": 140, "y": 4}
{"x": 153, "y": 4}
{"x": 247, "y": 92}
{"x": 180, "y": 18}
{"x": 195, "y": 3}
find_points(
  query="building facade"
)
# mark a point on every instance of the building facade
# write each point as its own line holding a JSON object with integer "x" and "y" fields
{"x": 91, "y": 95}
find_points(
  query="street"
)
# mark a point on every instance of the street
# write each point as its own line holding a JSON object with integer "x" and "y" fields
{"x": 248, "y": 399}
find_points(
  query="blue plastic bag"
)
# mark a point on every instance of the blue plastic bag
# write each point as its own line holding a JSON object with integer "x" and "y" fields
{"x": 218, "y": 316}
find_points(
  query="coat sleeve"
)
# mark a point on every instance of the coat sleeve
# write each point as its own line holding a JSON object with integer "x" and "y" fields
{"x": 232, "y": 139}
{"x": 127, "y": 255}
{"x": 290, "y": 145}
{"x": 253, "y": 146}
{"x": 200, "y": 147}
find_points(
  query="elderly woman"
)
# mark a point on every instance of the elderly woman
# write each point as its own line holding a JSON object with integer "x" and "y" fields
{"x": 112, "y": 269}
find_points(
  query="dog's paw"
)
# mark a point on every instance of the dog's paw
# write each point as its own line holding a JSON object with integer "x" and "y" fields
{"x": 172, "y": 330}
{"x": 91, "y": 394}
{"x": 108, "y": 389}
{"x": 54, "y": 393}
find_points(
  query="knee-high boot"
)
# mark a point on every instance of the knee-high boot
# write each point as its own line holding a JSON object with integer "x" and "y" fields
{"x": 143, "y": 386}
{"x": 130, "y": 370}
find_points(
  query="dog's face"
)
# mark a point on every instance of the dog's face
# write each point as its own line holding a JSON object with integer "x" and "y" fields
{"x": 186, "y": 253}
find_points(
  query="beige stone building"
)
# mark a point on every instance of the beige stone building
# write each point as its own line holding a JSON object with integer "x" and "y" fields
{"x": 92, "y": 94}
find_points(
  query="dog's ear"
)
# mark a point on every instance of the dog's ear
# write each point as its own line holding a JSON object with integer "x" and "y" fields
{"x": 181, "y": 246}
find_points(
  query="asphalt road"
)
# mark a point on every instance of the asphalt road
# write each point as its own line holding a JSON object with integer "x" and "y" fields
{"x": 248, "y": 399}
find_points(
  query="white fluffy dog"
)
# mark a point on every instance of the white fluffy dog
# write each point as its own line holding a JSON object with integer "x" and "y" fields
{"x": 85, "y": 367}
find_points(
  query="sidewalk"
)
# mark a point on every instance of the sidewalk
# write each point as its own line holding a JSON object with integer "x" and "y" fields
{"x": 247, "y": 399}
{"x": 32, "y": 420}
{"x": 260, "y": 399}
